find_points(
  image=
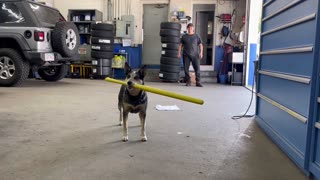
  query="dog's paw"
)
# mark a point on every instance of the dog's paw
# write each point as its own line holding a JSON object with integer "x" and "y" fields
{"x": 144, "y": 138}
{"x": 125, "y": 138}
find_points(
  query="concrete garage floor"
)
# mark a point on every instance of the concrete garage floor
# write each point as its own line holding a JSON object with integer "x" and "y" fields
{"x": 68, "y": 130}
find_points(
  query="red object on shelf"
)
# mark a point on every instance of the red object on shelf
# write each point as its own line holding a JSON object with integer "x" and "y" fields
{"x": 225, "y": 17}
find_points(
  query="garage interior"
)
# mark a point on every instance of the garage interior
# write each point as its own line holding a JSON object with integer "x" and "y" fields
{"x": 69, "y": 129}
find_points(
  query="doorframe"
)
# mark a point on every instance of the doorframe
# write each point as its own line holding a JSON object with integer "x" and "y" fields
{"x": 148, "y": 2}
{"x": 141, "y": 4}
{"x": 207, "y": 67}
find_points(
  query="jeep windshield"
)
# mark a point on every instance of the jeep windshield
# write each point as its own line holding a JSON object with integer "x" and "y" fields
{"x": 47, "y": 16}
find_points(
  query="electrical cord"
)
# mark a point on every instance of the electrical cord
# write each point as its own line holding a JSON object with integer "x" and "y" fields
{"x": 245, "y": 114}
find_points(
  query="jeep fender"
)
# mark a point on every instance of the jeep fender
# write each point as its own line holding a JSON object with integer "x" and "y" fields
{"x": 18, "y": 38}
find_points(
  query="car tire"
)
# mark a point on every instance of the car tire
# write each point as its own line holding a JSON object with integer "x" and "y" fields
{"x": 102, "y": 55}
{"x": 169, "y": 33}
{"x": 102, "y": 27}
{"x": 167, "y": 76}
{"x": 65, "y": 39}
{"x": 53, "y": 73}
{"x": 102, "y": 62}
{"x": 103, "y": 34}
{"x": 99, "y": 40}
{"x": 13, "y": 68}
{"x": 170, "y": 53}
{"x": 101, "y": 71}
{"x": 170, "y": 46}
{"x": 170, "y": 25}
{"x": 102, "y": 47}
{"x": 176, "y": 40}
{"x": 170, "y": 61}
{"x": 169, "y": 68}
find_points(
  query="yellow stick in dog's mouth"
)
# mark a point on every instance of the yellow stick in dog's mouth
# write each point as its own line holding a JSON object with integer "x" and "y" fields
{"x": 160, "y": 91}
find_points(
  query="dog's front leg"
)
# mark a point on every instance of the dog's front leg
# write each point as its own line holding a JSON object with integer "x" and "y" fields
{"x": 142, "y": 116}
{"x": 121, "y": 116}
{"x": 125, "y": 126}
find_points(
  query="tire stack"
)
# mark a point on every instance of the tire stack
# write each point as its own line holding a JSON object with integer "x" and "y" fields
{"x": 102, "y": 42}
{"x": 169, "y": 62}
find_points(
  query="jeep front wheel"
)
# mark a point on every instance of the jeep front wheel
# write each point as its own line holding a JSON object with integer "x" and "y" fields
{"x": 53, "y": 73}
{"x": 13, "y": 68}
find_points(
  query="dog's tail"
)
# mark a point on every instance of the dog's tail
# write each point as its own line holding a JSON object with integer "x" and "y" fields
{"x": 120, "y": 96}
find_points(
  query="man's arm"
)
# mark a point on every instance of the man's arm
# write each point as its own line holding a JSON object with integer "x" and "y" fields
{"x": 201, "y": 51}
{"x": 179, "y": 50}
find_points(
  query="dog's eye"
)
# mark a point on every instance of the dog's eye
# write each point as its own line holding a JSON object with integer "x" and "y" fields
{"x": 128, "y": 76}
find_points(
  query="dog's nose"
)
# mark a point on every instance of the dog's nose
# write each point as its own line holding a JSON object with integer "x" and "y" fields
{"x": 130, "y": 83}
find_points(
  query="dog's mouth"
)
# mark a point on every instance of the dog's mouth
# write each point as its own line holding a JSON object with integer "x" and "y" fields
{"x": 130, "y": 84}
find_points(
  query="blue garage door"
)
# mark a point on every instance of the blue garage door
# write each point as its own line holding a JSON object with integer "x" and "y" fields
{"x": 286, "y": 81}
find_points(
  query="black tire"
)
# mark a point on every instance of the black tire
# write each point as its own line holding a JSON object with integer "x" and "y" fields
{"x": 170, "y": 61}
{"x": 53, "y": 73}
{"x": 170, "y": 53}
{"x": 101, "y": 71}
{"x": 62, "y": 31}
{"x": 169, "y": 68}
{"x": 102, "y": 27}
{"x": 102, "y": 47}
{"x": 170, "y": 46}
{"x": 169, "y": 33}
{"x": 97, "y": 40}
{"x": 12, "y": 77}
{"x": 103, "y": 34}
{"x": 167, "y": 76}
{"x": 176, "y": 40}
{"x": 102, "y": 62}
{"x": 102, "y": 55}
{"x": 170, "y": 25}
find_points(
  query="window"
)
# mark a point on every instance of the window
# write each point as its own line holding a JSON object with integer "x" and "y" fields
{"x": 9, "y": 13}
{"x": 47, "y": 16}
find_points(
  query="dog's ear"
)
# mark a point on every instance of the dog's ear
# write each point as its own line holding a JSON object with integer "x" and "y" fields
{"x": 127, "y": 68}
{"x": 142, "y": 71}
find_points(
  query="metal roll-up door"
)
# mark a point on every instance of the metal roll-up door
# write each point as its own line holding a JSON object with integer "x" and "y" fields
{"x": 286, "y": 68}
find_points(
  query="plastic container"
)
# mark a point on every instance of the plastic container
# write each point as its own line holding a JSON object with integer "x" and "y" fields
{"x": 223, "y": 78}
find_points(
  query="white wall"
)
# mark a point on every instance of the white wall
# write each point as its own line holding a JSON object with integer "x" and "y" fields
{"x": 65, "y": 5}
{"x": 253, "y": 34}
{"x": 137, "y": 10}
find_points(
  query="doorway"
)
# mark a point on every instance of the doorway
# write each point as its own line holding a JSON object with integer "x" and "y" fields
{"x": 153, "y": 15}
{"x": 204, "y": 22}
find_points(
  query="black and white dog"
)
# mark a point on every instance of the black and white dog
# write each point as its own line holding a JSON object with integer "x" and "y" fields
{"x": 133, "y": 100}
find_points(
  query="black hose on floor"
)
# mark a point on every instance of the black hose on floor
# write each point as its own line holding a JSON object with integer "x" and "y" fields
{"x": 245, "y": 114}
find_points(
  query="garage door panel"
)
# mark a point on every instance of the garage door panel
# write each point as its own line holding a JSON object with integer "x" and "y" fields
{"x": 300, "y": 10}
{"x": 274, "y": 6}
{"x": 317, "y": 150}
{"x": 299, "y": 64}
{"x": 292, "y": 95}
{"x": 285, "y": 125}
{"x": 287, "y": 84}
{"x": 291, "y": 37}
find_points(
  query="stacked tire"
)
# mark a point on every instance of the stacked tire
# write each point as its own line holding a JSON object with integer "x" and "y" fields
{"x": 169, "y": 62}
{"x": 102, "y": 45}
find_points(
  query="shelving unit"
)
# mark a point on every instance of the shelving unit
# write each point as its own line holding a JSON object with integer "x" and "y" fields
{"x": 237, "y": 68}
{"x": 83, "y": 18}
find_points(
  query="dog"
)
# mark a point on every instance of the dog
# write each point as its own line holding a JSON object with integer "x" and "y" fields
{"x": 133, "y": 100}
